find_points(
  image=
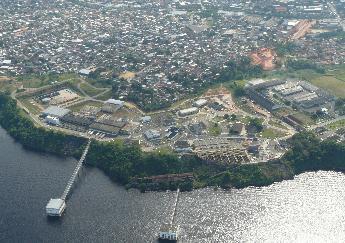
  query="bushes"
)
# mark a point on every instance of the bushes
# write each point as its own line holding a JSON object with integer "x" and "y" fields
{"x": 298, "y": 64}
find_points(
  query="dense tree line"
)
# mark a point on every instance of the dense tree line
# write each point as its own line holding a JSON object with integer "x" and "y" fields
{"x": 237, "y": 70}
{"x": 286, "y": 48}
{"x": 298, "y": 64}
{"x": 339, "y": 34}
{"x": 124, "y": 162}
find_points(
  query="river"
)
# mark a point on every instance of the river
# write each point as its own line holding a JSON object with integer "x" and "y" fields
{"x": 309, "y": 208}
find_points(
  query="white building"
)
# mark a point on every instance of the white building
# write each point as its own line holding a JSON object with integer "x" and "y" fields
{"x": 200, "y": 103}
{"x": 115, "y": 102}
{"x": 55, "y": 207}
{"x": 52, "y": 120}
{"x": 55, "y": 111}
{"x": 188, "y": 112}
{"x": 85, "y": 71}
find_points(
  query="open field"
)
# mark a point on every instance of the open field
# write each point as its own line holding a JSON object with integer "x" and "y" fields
{"x": 306, "y": 120}
{"x": 106, "y": 96}
{"x": 4, "y": 79}
{"x": 272, "y": 133}
{"x": 88, "y": 89}
{"x": 214, "y": 130}
{"x": 277, "y": 124}
{"x": 37, "y": 81}
{"x": 127, "y": 75}
{"x": 78, "y": 107}
{"x": 338, "y": 72}
{"x": 31, "y": 105}
{"x": 336, "y": 125}
{"x": 331, "y": 84}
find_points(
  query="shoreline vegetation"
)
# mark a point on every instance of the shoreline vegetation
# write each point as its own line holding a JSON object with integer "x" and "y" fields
{"x": 127, "y": 163}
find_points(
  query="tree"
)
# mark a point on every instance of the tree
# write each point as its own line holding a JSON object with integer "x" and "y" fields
{"x": 257, "y": 123}
{"x": 233, "y": 117}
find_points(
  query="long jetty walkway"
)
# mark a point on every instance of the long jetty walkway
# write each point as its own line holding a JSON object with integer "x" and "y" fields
{"x": 172, "y": 220}
{"x": 170, "y": 231}
{"x": 56, "y": 207}
{"x": 76, "y": 171}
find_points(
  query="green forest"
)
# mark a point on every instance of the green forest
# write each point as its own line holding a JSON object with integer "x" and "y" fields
{"x": 125, "y": 163}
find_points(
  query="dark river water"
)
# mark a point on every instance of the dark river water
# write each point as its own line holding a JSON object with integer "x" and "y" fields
{"x": 310, "y": 208}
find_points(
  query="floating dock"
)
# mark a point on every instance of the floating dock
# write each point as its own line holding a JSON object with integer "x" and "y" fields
{"x": 56, "y": 206}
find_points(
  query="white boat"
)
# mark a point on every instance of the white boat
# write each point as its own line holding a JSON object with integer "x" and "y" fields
{"x": 55, "y": 207}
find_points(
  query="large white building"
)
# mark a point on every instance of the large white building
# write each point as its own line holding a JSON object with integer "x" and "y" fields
{"x": 52, "y": 120}
{"x": 200, "y": 103}
{"x": 55, "y": 111}
{"x": 188, "y": 112}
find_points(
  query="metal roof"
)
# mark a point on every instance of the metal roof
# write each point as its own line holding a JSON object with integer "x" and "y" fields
{"x": 55, "y": 203}
{"x": 56, "y": 111}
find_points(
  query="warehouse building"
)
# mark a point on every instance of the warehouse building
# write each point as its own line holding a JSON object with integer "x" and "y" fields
{"x": 107, "y": 129}
{"x": 76, "y": 120}
{"x": 112, "y": 105}
{"x": 52, "y": 120}
{"x": 188, "y": 112}
{"x": 55, "y": 111}
{"x": 200, "y": 103}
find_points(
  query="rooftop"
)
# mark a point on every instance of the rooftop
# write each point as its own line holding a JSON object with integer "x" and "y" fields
{"x": 55, "y": 203}
{"x": 56, "y": 111}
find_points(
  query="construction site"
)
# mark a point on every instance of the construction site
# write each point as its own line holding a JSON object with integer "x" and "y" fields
{"x": 265, "y": 57}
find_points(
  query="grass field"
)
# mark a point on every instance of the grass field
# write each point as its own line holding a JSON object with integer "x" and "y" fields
{"x": 78, "y": 107}
{"x": 106, "y": 96}
{"x": 277, "y": 124}
{"x": 36, "y": 81}
{"x": 214, "y": 130}
{"x": 271, "y": 133}
{"x": 88, "y": 89}
{"x": 30, "y": 105}
{"x": 306, "y": 119}
{"x": 333, "y": 80}
{"x": 336, "y": 125}
{"x": 331, "y": 84}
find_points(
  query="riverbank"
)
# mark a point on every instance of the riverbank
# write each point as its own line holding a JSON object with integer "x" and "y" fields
{"x": 125, "y": 163}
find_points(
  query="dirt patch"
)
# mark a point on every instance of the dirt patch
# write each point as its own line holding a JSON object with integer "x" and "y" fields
{"x": 127, "y": 75}
{"x": 5, "y": 79}
{"x": 264, "y": 57}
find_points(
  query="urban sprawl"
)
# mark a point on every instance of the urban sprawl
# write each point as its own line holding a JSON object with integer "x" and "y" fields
{"x": 142, "y": 71}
